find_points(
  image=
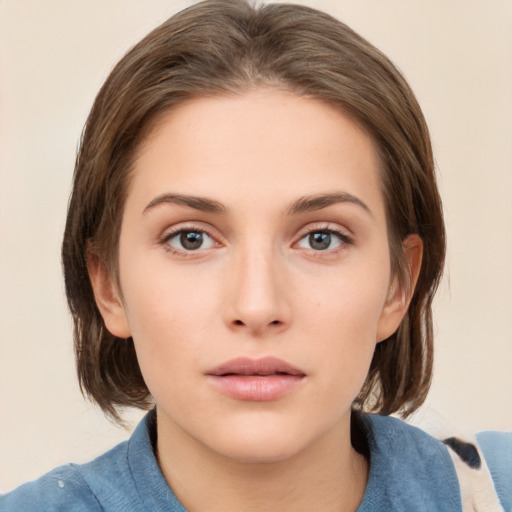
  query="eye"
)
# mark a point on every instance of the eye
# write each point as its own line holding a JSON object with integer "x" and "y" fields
{"x": 323, "y": 240}
{"x": 190, "y": 240}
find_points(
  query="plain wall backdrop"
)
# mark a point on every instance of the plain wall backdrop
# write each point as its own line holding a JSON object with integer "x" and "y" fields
{"x": 55, "y": 54}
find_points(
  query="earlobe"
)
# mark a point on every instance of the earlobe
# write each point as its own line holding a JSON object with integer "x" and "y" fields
{"x": 400, "y": 294}
{"x": 107, "y": 297}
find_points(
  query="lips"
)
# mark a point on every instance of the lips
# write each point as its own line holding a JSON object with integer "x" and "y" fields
{"x": 264, "y": 379}
{"x": 262, "y": 367}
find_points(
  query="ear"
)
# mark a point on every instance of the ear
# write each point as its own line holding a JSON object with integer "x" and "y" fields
{"x": 400, "y": 295}
{"x": 107, "y": 297}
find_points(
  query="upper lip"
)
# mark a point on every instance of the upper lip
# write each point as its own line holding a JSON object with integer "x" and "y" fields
{"x": 263, "y": 366}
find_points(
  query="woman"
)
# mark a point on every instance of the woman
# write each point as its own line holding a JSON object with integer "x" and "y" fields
{"x": 252, "y": 247}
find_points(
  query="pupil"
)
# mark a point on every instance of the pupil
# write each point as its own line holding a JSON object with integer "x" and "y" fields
{"x": 191, "y": 240}
{"x": 320, "y": 241}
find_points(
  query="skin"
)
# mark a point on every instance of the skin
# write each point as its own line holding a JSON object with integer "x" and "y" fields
{"x": 256, "y": 287}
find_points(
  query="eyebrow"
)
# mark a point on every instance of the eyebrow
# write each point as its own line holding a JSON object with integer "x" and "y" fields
{"x": 319, "y": 201}
{"x": 202, "y": 204}
{"x": 302, "y": 205}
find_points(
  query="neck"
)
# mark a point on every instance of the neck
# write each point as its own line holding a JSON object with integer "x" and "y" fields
{"x": 328, "y": 475}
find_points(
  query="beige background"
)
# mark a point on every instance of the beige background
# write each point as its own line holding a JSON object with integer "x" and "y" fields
{"x": 54, "y": 55}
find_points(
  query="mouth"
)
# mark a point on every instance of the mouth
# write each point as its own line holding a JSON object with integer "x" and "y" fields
{"x": 258, "y": 380}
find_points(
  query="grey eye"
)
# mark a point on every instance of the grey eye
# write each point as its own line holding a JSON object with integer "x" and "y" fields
{"x": 321, "y": 240}
{"x": 191, "y": 240}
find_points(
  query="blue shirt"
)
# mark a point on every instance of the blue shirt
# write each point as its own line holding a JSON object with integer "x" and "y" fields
{"x": 409, "y": 471}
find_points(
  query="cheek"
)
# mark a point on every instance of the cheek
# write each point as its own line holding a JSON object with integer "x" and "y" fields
{"x": 171, "y": 312}
{"x": 342, "y": 323}
{"x": 349, "y": 302}
{"x": 162, "y": 297}
{"x": 164, "y": 345}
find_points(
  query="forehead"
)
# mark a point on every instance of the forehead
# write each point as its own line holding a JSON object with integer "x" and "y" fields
{"x": 259, "y": 145}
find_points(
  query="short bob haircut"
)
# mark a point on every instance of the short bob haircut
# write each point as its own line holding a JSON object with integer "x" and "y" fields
{"x": 228, "y": 47}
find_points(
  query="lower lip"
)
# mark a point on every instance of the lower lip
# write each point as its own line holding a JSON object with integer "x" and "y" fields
{"x": 256, "y": 388}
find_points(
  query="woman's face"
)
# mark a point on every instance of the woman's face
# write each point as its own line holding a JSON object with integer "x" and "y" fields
{"x": 254, "y": 272}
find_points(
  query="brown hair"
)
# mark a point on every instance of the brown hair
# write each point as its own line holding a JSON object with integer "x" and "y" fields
{"x": 225, "y": 47}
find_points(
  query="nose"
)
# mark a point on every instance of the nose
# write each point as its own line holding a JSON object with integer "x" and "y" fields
{"x": 258, "y": 295}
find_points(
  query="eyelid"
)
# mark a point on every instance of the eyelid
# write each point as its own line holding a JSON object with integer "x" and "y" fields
{"x": 330, "y": 227}
{"x": 207, "y": 242}
{"x": 344, "y": 235}
{"x": 181, "y": 227}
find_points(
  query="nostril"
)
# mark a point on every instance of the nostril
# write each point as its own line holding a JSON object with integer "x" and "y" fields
{"x": 238, "y": 322}
{"x": 275, "y": 322}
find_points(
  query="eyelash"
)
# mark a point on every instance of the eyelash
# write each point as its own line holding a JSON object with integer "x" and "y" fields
{"x": 166, "y": 239}
{"x": 343, "y": 238}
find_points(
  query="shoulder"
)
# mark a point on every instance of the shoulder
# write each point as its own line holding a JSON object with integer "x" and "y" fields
{"x": 409, "y": 469}
{"x": 72, "y": 487}
{"x": 497, "y": 452}
{"x": 483, "y": 462}
{"x": 395, "y": 437}
{"x": 479, "y": 466}
{"x": 63, "y": 489}
{"x": 126, "y": 478}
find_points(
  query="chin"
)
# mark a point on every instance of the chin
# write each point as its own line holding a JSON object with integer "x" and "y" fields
{"x": 261, "y": 444}
{"x": 259, "y": 451}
